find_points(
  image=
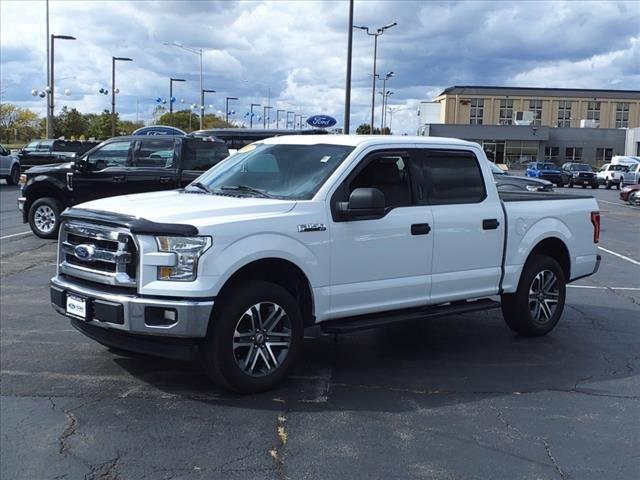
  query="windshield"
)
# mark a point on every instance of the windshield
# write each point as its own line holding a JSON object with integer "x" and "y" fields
{"x": 280, "y": 171}
{"x": 496, "y": 170}
{"x": 548, "y": 166}
{"x": 580, "y": 167}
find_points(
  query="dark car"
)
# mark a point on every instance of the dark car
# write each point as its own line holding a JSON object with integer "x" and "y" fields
{"x": 45, "y": 152}
{"x": 626, "y": 192}
{"x": 505, "y": 181}
{"x": 236, "y": 138}
{"x": 580, "y": 174}
{"x": 119, "y": 166}
{"x": 546, "y": 171}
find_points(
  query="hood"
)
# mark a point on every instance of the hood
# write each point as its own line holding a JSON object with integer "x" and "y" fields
{"x": 193, "y": 208}
{"x": 51, "y": 168}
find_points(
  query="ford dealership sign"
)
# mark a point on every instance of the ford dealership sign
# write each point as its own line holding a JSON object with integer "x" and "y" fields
{"x": 321, "y": 121}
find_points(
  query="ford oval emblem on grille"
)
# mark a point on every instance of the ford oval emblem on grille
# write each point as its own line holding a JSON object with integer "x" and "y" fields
{"x": 84, "y": 252}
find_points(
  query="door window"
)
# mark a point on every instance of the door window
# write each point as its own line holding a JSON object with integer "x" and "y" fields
{"x": 114, "y": 154}
{"x": 31, "y": 147}
{"x": 45, "y": 146}
{"x": 202, "y": 156}
{"x": 390, "y": 175}
{"x": 448, "y": 177}
{"x": 154, "y": 152}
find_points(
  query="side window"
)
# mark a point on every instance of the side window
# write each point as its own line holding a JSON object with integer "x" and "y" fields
{"x": 448, "y": 177}
{"x": 202, "y": 156}
{"x": 31, "y": 147}
{"x": 114, "y": 154}
{"x": 390, "y": 175}
{"x": 154, "y": 152}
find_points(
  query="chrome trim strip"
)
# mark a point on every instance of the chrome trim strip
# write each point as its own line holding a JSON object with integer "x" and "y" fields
{"x": 99, "y": 254}
{"x": 116, "y": 279}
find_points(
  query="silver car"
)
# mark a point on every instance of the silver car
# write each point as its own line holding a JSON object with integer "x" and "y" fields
{"x": 9, "y": 166}
{"x": 632, "y": 175}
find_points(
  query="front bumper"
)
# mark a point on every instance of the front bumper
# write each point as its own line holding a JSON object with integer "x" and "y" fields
{"x": 21, "y": 201}
{"x": 129, "y": 313}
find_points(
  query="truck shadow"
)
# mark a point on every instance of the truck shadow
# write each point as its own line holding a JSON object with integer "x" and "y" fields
{"x": 433, "y": 363}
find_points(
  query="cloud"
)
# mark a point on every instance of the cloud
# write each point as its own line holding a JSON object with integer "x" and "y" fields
{"x": 291, "y": 55}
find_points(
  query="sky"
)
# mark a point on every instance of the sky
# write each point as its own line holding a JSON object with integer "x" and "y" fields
{"x": 292, "y": 55}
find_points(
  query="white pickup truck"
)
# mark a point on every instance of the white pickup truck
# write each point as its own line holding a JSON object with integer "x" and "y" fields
{"x": 341, "y": 232}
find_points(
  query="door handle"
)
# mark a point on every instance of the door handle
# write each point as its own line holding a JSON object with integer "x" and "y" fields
{"x": 165, "y": 179}
{"x": 119, "y": 178}
{"x": 420, "y": 229}
{"x": 490, "y": 224}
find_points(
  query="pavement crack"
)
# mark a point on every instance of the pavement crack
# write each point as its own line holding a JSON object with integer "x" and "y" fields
{"x": 276, "y": 452}
{"x": 70, "y": 429}
{"x": 104, "y": 471}
{"x": 622, "y": 295}
{"x": 555, "y": 463}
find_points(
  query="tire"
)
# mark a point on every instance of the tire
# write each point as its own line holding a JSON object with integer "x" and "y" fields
{"x": 227, "y": 363}
{"x": 44, "y": 217}
{"x": 14, "y": 176}
{"x": 619, "y": 186}
{"x": 584, "y": 186}
{"x": 608, "y": 184}
{"x": 526, "y": 316}
{"x": 570, "y": 184}
{"x": 596, "y": 186}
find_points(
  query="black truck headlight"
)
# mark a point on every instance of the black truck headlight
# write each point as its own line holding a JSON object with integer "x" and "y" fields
{"x": 188, "y": 250}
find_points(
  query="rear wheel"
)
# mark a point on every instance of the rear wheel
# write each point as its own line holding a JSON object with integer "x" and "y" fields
{"x": 14, "y": 176}
{"x": 254, "y": 338}
{"x": 570, "y": 184}
{"x": 584, "y": 186}
{"x": 536, "y": 306}
{"x": 44, "y": 217}
{"x": 608, "y": 184}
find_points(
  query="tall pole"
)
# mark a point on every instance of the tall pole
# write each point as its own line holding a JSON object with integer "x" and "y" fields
{"x": 384, "y": 89}
{"x": 278, "y": 117}
{"x": 251, "y": 114}
{"x": 264, "y": 116}
{"x": 113, "y": 96}
{"x": 347, "y": 90}
{"x": 50, "y": 114}
{"x": 226, "y": 118}
{"x": 201, "y": 95}
{"x": 373, "y": 85}
{"x": 171, "y": 101}
{"x": 49, "y": 128}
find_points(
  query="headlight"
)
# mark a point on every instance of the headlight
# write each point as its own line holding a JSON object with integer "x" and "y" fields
{"x": 532, "y": 188}
{"x": 188, "y": 250}
{"x": 23, "y": 179}
{"x": 626, "y": 189}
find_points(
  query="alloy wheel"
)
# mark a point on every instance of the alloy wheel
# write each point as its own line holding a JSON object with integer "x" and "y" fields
{"x": 44, "y": 218}
{"x": 543, "y": 296}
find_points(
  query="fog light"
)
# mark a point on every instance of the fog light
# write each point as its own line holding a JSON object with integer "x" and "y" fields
{"x": 160, "y": 317}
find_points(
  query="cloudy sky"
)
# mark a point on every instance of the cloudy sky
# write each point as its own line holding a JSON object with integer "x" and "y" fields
{"x": 296, "y": 51}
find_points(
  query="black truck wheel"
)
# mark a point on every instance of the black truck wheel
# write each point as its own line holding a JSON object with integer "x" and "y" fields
{"x": 536, "y": 306}
{"x": 255, "y": 335}
{"x": 44, "y": 217}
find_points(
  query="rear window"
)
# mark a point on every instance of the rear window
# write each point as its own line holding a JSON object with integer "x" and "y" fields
{"x": 202, "y": 155}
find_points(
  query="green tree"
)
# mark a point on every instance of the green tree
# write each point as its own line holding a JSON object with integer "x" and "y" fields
{"x": 188, "y": 121}
{"x": 18, "y": 124}
{"x": 365, "y": 129}
{"x": 127, "y": 127}
{"x": 70, "y": 124}
{"x": 99, "y": 126}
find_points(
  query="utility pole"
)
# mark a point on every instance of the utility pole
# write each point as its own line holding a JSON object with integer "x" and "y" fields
{"x": 113, "y": 91}
{"x": 278, "y": 117}
{"x": 171, "y": 80}
{"x": 202, "y": 92}
{"x": 226, "y": 104}
{"x": 251, "y": 114}
{"x": 264, "y": 116}
{"x": 347, "y": 90}
{"x": 49, "y": 128}
{"x": 51, "y": 105}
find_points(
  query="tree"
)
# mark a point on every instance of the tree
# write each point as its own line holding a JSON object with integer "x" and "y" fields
{"x": 99, "y": 126}
{"x": 127, "y": 127}
{"x": 18, "y": 124}
{"x": 188, "y": 121}
{"x": 70, "y": 123}
{"x": 365, "y": 129}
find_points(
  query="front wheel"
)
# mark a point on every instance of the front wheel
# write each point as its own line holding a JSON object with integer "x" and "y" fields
{"x": 608, "y": 184}
{"x": 14, "y": 176}
{"x": 255, "y": 335}
{"x": 44, "y": 217}
{"x": 570, "y": 185}
{"x": 536, "y": 306}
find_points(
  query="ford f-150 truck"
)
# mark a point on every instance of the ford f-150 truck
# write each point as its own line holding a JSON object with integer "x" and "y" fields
{"x": 341, "y": 232}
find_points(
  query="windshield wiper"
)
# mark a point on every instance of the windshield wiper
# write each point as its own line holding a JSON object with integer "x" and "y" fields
{"x": 247, "y": 189}
{"x": 201, "y": 186}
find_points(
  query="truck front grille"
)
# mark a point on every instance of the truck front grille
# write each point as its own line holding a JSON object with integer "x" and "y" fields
{"x": 97, "y": 253}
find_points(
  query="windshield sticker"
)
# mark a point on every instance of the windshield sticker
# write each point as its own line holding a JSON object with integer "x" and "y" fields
{"x": 247, "y": 148}
{"x": 325, "y": 159}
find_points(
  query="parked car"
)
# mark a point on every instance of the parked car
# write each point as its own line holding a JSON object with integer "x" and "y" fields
{"x": 118, "y": 166}
{"x": 506, "y": 181}
{"x": 9, "y": 166}
{"x": 547, "y": 171}
{"x": 337, "y": 231}
{"x": 610, "y": 175}
{"x": 236, "y": 138}
{"x": 45, "y": 152}
{"x": 626, "y": 192}
{"x": 580, "y": 174}
{"x": 631, "y": 176}
{"x": 634, "y": 198}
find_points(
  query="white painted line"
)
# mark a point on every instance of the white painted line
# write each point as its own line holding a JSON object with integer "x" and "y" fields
{"x": 15, "y": 235}
{"x": 605, "y": 288}
{"x": 617, "y": 204}
{"x": 610, "y": 252}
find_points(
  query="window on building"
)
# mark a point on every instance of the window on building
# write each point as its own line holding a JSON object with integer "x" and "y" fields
{"x": 564, "y": 113}
{"x": 506, "y": 112}
{"x": 622, "y": 115}
{"x": 603, "y": 155}
{"x": 477, "y": 111}
{"x": 573, "y": 154}
{"x": 535, "y": 106}
{"x": 551, "y": 153}
{"x": 520, "y": 152}
{"x": 593, "y": 111}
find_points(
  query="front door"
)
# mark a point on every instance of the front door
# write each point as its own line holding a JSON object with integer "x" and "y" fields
{"x": 381, "y": 264}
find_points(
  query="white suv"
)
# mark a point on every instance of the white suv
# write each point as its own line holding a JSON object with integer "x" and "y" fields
{"x": 610, "y": 175}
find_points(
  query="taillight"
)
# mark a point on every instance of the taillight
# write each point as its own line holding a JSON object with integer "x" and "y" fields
{"x": 595, "y": 221}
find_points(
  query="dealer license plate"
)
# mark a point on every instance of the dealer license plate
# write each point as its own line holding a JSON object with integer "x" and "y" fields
{"x": 77, "y": 307}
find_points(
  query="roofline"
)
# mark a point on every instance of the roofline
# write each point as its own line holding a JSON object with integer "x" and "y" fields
{"x": 529, "y": 89}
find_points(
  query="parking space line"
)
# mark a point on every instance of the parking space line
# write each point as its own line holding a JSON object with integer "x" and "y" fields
{"x": 15, "y": 235}
{"x": 610, "y": 252}
{"x": 614, "y": 203}
{"x": 598, "y": 287}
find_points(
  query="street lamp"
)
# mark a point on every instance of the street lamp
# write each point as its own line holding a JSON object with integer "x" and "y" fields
{"x": 197, "y": 51}
{"x": 384, "y": 79}
{"x": 375, "y": 36}
{"x": 171, "y": 99}
{"x": 251, "y": 116}
{"x": 264, "y": 116}
{"x": 51, "y": 84}
{"x": 202, "y": 92}
{"x": 294, "y": 118}
{"x": 385, "y": 99}
{"x": 113, "y": 90}
{"x": 226, "y": 109}
{"x": 278, "y": 117}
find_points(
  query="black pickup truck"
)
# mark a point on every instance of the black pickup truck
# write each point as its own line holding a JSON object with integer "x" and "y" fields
{"x": 45, "y": 152}
{"x": 119, "y": 166}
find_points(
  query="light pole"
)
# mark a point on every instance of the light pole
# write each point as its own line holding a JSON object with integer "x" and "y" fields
{"x": 375, "y": 36}
{"x": 384, "y": 79}
{"x": 226, "y": 107}
{"x": 302, "y": 122}
{"x": 197, "y": 51}
{"x": 294, "y": 118}
{"x": 385, "y": 100}
{"x": 171, "y": 80}
{"x": 51, "y": 84}
{"x": 278, "y": 117}
{"x": 264, "y": 116}
{"x": 202, "y": 92}
{"x": 113, "y": 90}
{"x": 347, "y": 90}
{"x": 251, "y": 115}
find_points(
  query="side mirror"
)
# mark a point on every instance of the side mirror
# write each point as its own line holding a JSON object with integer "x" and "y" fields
{"x": 363, "y": 203}
{"x": 81, "y": 164}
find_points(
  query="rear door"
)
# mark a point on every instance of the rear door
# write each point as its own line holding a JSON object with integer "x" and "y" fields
{"x": 153, "y": 166}
{"x": 468, "y": 223}
{"x": 197, "y": 156}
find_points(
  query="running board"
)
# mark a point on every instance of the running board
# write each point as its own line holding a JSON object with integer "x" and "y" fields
{"x": 364, "y": 322}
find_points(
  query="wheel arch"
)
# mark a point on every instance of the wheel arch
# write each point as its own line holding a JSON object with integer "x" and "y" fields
{"x": 557, "y": 249}
{"x": 38, "y": 190}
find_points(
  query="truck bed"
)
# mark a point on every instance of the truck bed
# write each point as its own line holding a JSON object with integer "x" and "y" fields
{"x": 538, "y": 196}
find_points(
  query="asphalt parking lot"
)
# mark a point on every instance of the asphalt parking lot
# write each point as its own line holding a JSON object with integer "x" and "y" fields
{"x": 452, "y": 398}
